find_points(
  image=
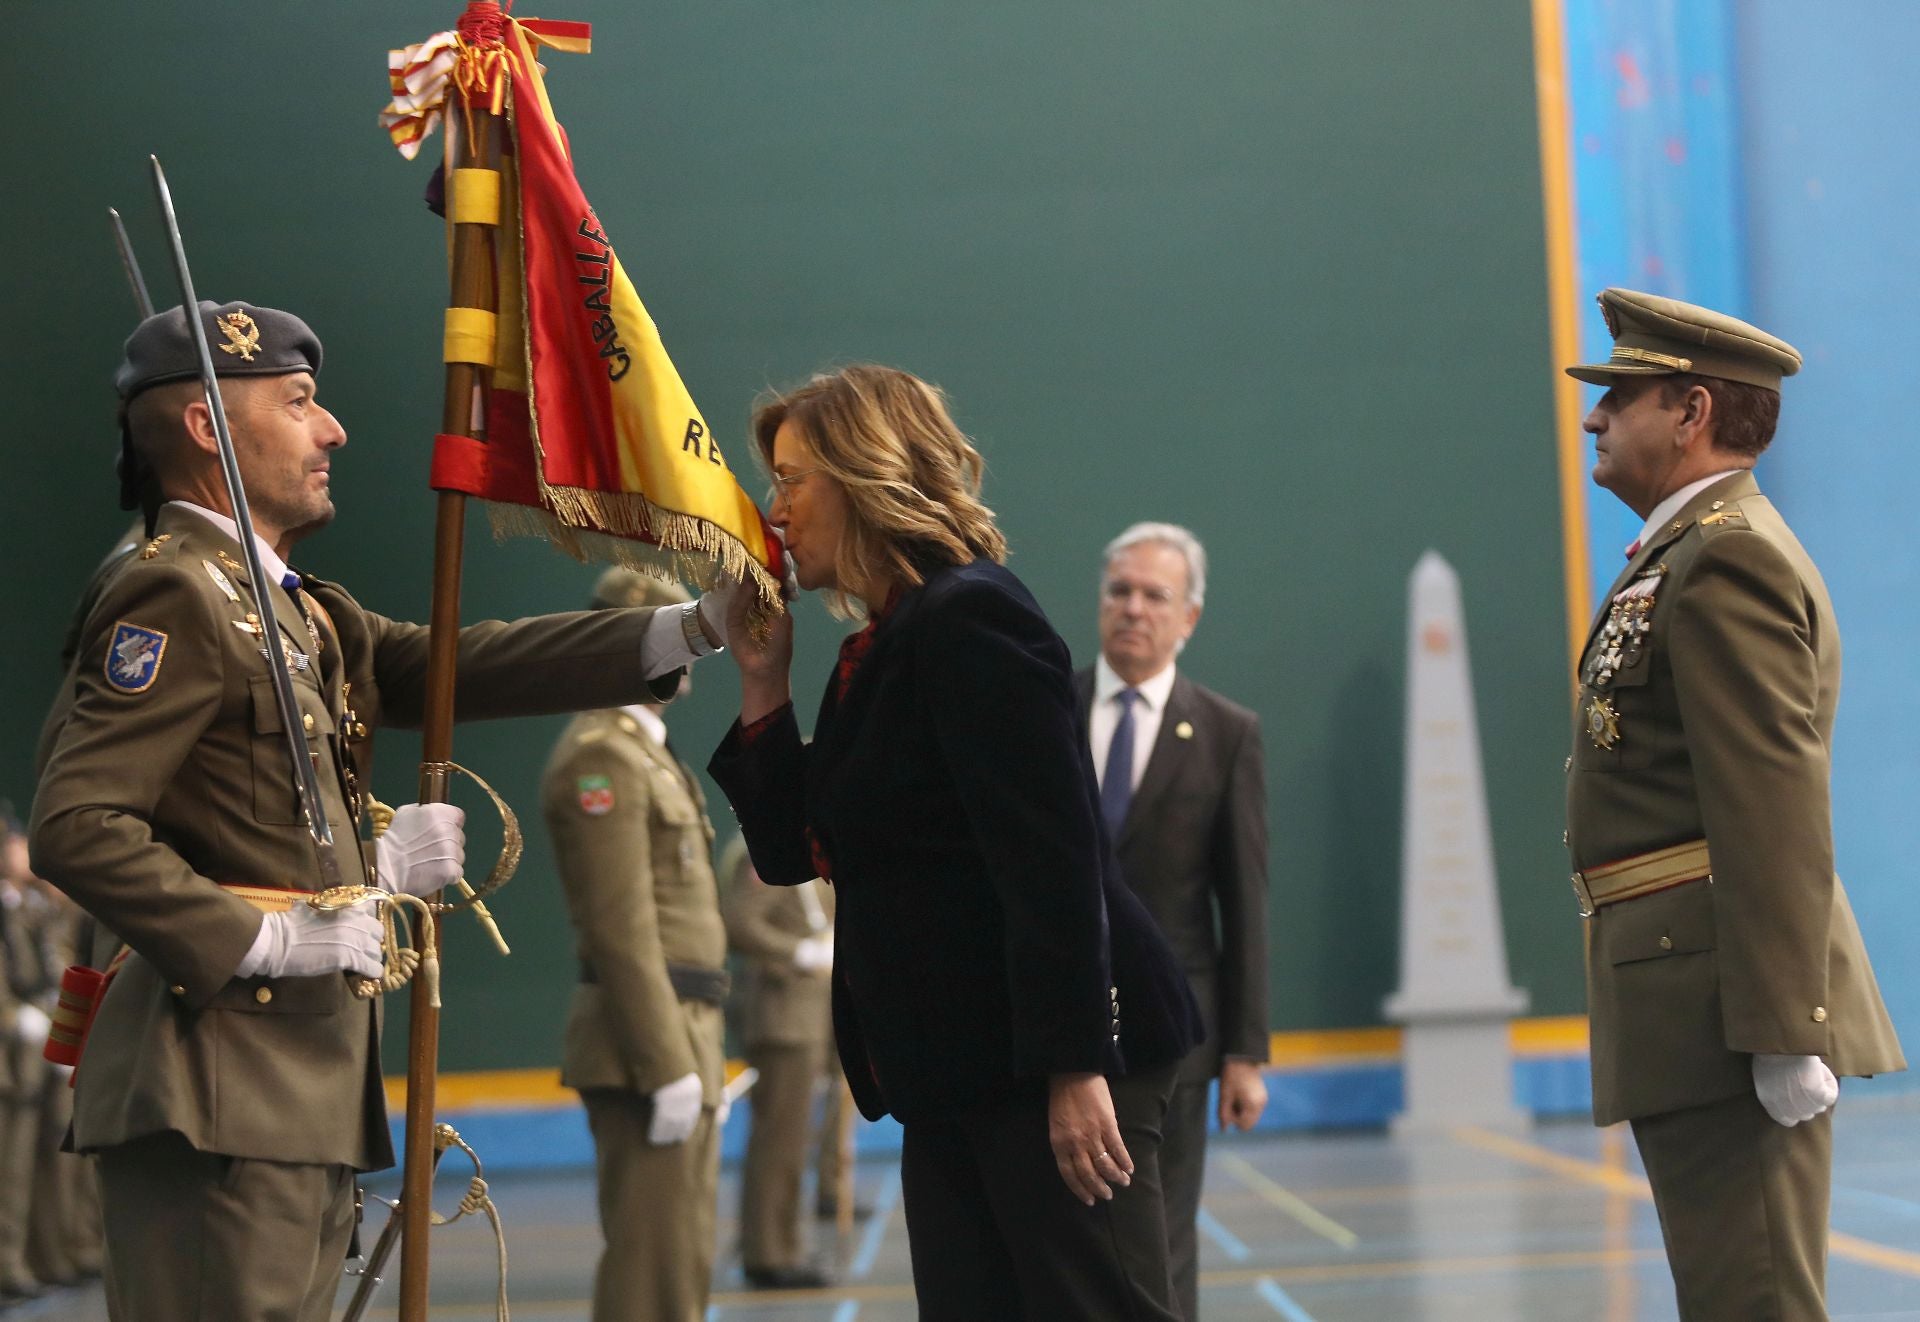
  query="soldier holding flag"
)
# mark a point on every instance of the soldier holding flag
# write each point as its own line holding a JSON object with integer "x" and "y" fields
{"x": 231, "y": 1081}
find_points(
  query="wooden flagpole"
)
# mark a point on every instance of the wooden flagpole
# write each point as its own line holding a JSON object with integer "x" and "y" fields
{"x": 463, "y": 413}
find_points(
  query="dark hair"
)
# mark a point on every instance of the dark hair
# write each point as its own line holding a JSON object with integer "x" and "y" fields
{"x": 1744, "y": 416}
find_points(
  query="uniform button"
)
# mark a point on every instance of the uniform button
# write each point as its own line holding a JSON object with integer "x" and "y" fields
{"x": 263, "y": 994}
{"x": 1566, "y": 838}
{"x": 177, "y": 989}
{"x": 1116, "y": 1037}
{"x": 1819, "y": 1014}
{"x": 1569, "y": 763}
{"x": 1666, "y": 943}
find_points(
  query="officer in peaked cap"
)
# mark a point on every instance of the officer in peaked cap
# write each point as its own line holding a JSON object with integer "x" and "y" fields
{"x": 1727, "y": 984}
{"x": 643, "y": 1041}
{"x": 230, "y": 1081}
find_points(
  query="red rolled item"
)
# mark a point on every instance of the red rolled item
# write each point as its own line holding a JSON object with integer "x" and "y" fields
{"x": 81, "y": 988}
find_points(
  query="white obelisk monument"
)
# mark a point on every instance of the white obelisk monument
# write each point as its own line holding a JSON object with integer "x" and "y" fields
{"x": 1455, "y": 998}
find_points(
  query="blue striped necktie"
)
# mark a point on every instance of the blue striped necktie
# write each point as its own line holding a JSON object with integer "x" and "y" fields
{"x": 1116, "y": 788}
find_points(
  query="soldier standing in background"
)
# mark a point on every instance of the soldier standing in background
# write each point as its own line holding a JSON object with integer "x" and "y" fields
{"x": 23, "y": 1031}
{"x": 786, "y": 934}
{"x": 1726, "y": 980}
{"x": 644, "y": 1038}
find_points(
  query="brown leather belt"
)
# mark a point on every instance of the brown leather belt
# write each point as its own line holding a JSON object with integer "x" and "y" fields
{"x": 1643, "y": 874}
{"x": 690, "y": 981}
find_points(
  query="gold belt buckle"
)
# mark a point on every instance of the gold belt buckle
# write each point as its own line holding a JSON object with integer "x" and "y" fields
{"x": 1583, "y": 895}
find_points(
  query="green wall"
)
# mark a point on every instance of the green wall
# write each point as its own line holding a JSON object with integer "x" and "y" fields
{"x": 1269, "y": 268}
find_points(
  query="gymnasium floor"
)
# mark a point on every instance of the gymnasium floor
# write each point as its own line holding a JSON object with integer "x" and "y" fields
{"x": 1468, "y": 1226}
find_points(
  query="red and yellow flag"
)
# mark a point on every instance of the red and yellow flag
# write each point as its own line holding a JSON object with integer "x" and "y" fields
{"x": 592, "y": 437}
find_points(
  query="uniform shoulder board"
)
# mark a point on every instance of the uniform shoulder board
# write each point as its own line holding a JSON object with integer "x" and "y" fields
{"x": 1723, "y": 515}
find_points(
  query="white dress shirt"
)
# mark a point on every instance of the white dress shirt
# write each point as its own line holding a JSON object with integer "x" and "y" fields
{"x": 1148, "y": 710}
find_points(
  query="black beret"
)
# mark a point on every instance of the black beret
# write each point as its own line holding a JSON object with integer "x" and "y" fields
{"x": 245, "y": 341}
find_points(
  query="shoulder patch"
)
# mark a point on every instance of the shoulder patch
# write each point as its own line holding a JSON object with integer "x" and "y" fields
{"x": 596, "y": 795}
{"x": 133, "y": 657}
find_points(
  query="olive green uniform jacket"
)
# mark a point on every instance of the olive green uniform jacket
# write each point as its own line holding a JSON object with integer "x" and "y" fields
{"x": 1723, "y": 713}
{"x": 781, "y": 1005}
{"x": 634, "y": 847}
{"x": 169, "y": 776}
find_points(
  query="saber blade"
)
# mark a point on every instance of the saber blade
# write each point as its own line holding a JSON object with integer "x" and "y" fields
{"x": 141, "y": 299}
{"x": 306, "y": 781}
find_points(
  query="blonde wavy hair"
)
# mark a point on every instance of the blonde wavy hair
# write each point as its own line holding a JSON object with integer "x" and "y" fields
{"x": 911, "y": 477}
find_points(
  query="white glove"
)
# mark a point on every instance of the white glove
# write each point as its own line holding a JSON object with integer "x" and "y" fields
{"x": 304, "y": 942}
{"x": 1794, "y": 1088}
{"x": 676, "y": 1110}
{"x": 722, "y": 1111}
{"x": 31, "y": 1025}
{"x": 423, "y": 851}
{"x": 814, "y": 954}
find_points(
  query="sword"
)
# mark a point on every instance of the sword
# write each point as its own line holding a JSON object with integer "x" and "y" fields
{"x": 306, "y": 780}
{"x": 376, "y": 1262}
{"x": 132, "y": 265}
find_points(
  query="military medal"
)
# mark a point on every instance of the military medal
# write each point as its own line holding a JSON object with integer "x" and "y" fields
{"x": 220, "y": 581}
{"x": 1603, "y": 723}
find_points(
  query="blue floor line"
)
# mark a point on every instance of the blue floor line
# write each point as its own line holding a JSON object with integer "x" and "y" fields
{"x": 1884, "y": 1201}
{"x": 1269, "y": 1290}
{"x": 876, "y": 1228}
{"x": 1229, "y": 1243}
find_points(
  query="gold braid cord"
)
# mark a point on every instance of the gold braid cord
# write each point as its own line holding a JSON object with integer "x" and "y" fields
{"x": 476, "y": 1200}
{"x": 421, "y": 953}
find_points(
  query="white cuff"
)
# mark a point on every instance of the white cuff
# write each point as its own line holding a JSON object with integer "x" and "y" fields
{"x": 256, "y": 955}
{"x": 664, "y": 648}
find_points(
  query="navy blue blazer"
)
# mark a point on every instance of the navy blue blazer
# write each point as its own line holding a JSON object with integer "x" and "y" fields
{"x": 982, "y": 938}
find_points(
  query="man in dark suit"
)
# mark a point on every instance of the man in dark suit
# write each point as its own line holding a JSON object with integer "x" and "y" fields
{"x": 1183, "y": 789}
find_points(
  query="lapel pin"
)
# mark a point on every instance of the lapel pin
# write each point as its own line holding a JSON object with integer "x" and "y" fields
{"x": 1184, "y": 730}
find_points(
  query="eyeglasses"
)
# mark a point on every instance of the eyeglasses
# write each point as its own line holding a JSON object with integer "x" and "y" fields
{"x": 784, "y": 483}
{"x": 1120, "y": 593}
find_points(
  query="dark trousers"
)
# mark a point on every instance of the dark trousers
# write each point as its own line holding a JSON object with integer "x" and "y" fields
{"x": 996, "y": 1235}
{"x": 193, "y": 1236}
{"x": 1743, "y": 1209}
{"x": 1183, "y": 1170}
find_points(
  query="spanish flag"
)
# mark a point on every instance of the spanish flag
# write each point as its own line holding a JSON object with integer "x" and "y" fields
{"x": 592, "y": 438}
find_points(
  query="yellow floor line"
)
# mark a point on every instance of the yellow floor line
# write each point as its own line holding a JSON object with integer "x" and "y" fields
{"x": 1572, "y": 1168}
{"x": 1401, "y": 1193}
{"x": 1839, "y": 1245}
{"x": 1490, "y": 1265}
{"x": 1289, "y": 1202}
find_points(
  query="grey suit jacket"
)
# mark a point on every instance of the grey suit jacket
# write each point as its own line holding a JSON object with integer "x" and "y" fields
{"x": 1194, "y": 849}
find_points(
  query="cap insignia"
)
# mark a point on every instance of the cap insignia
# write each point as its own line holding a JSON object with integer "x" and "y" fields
{"x": 243, "y": 336}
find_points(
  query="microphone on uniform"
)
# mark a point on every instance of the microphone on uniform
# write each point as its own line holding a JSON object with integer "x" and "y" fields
{"x": 290, "y": 580}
